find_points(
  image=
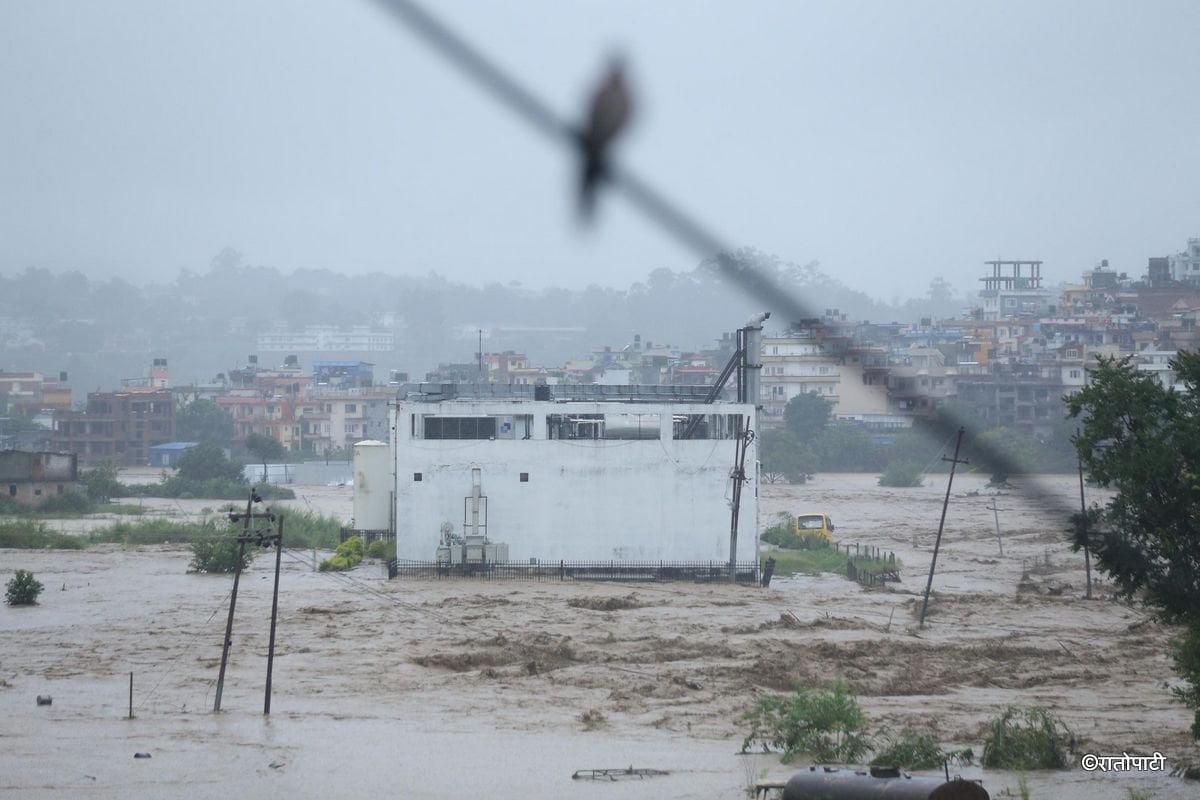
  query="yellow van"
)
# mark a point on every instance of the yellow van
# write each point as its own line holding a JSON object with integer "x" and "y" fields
{"x": 815, "y": 525}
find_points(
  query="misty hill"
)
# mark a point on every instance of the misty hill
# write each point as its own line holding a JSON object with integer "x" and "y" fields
{"x": 206, "y": 323}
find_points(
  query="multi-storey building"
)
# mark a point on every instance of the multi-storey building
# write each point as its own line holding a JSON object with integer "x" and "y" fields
{"x": 116, "y": 426}
{"x": 1012, "y": 288}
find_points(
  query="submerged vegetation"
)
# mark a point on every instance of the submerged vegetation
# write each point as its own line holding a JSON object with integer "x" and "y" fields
{"x": 301, "y": 529}
{"x": 1024, "y": 739}
{"x": 827, "y": 724}
{"x": 22, "y": 589}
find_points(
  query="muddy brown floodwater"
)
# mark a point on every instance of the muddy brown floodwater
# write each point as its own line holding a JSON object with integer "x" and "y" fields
{"x": 462, "y": 688}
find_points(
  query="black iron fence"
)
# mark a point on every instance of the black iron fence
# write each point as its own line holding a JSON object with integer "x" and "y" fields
{"x": 871, "y": 566}
{"x": 367, "y": 536}
{"x": 623, "y": 571}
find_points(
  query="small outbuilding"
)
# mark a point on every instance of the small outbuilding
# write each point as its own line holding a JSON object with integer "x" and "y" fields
{"x": 167, "y": 455}
{"x": 30, "y": 478}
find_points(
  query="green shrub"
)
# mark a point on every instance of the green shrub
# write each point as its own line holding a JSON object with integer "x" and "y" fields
{"x": 912, "y": 750}
{"x": 901, "y": 474}
{"x": 377, "y": 549}
{"x": 219, "y": 554}
{"x": 349, "y": 554}
{"x": 23, "y": 589}
{"x": 1025, "y": 739}
{"x": 827, "y": 724}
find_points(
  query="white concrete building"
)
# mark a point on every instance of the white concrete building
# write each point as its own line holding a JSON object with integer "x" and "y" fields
{"x": 1185, "y": 266}
{"x": 610, "y": 480}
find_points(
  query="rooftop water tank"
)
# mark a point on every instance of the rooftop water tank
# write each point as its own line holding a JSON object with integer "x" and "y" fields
{"x": 372, "y": 486}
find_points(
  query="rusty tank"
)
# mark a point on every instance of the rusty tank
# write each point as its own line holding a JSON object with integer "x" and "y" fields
{"x": 877, "y": 783}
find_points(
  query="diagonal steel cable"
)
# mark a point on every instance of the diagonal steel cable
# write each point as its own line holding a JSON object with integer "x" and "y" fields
{"x": 653, "y": 204}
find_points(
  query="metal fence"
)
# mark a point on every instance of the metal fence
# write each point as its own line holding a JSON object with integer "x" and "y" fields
{"x": 623, "y": 571}
{"x": 367, "y": 536}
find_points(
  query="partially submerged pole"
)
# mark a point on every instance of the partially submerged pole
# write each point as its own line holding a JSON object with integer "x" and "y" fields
{"x": 233, "y": 602}
{"x": 954, "y": 462}
{"x": 996, "y": 514}
{"x": 1087, "y": 555}
{"x": 274, "y": 614}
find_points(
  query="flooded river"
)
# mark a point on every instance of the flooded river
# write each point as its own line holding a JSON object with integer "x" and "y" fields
{"x": 451, "y": 689}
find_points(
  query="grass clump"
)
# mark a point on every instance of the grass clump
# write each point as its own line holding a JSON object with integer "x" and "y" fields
{"x": 153, "y": 531}
{"x": 912, "y": 750}
{"x": 1025, "y": 739}
{"x": 306, "y": 529}
{"x": 29, "y": 534}
{"x": 824, "y": 723}
{"x": 23, "y": 589}
{"x": 903, "y": 474}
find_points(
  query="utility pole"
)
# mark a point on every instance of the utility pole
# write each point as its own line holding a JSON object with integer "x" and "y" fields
{"x": 274, "y": 613}
{"x": 996, "y": 513}
{"x": 954, "y": 462}
{"x": 262, "y": 538}
{"x": 1087, "y": 555}
{"x": 744, "y": 438}
{"x": 233, "y": 602}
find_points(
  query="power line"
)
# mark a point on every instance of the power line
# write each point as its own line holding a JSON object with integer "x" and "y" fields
{"x": 652, "y": 203}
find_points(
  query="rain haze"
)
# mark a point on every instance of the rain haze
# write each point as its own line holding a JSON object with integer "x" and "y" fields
{"x": 288, "y": 253}
{"x": 891, "y": 142}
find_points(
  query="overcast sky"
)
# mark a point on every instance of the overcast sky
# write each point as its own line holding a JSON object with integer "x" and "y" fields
{"x": 891, "y": 141}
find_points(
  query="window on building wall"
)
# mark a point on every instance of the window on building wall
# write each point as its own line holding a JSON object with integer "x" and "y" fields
{"x": 351, "y": 408}
{"x": 460, "y": 427}
{"x": 1074, "y": 373}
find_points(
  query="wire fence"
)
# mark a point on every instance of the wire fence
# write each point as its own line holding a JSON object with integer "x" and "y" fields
{"x": 563, "y": 571}
{"x": 367, "y": 536}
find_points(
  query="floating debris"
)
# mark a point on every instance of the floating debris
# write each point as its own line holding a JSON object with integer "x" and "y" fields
{"x": 141, "y": 755}
{"x": 44, "y": 699}
{"x": 616, "y": 774}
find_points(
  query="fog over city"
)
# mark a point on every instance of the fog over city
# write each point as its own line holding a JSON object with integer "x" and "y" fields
{"x": 893, "y": 143}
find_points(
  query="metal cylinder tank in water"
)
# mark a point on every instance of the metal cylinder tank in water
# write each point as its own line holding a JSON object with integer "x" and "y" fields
{"x": 372, "y": 486}
{"x": 880, "y": 783}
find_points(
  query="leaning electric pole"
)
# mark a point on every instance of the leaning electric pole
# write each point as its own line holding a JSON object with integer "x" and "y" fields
{"x": 256, "y": 530}
{"x": 954, "y": 462}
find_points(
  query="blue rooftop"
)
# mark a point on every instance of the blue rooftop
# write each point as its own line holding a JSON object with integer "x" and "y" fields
{"x": 174, "y": 446}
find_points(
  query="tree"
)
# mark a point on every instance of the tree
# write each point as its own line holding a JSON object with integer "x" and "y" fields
{"x": 101, "y": 482}
{"x": 204, "y": 421}
{"x": 264, "y": 448}
{"x": 806, "y": 415}
{"x": 845, "y": 447}
{"x": 781, "y": 454}
{"x": 1004, "y": 452}
{"x": 1143, "y": 440}
{"x": 205, "y": 461}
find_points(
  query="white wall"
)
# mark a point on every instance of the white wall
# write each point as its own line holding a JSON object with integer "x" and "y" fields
{"x": 635, "y": 499}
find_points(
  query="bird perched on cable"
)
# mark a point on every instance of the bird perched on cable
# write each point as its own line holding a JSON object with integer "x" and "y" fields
{"x": 608, "y": 114}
